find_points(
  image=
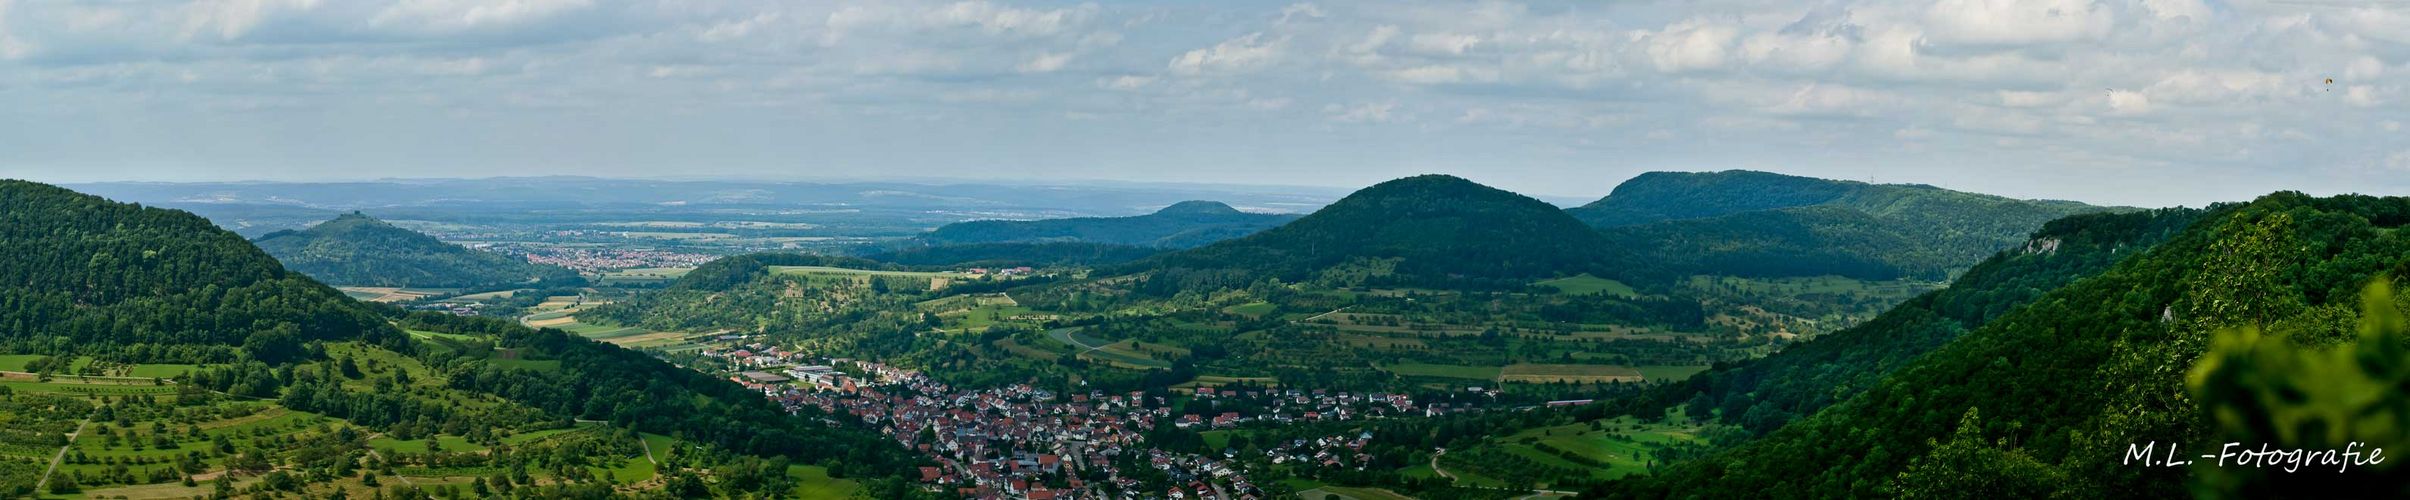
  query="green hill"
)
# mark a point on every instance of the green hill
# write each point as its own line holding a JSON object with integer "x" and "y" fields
{"x": 103, "y": 292}
{"x": 2044, "y": 399}
{"x": 1423, "y": 230}
{"x": 1744, "y": 223}
{"x": 355, "y": 249}
{"x": 1182, "y": 225}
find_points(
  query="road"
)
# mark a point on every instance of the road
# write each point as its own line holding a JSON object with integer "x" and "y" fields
{"x": 61, "y": 456}
{"x": 1064, "y": 335}
{"x": 1435, "y": 465}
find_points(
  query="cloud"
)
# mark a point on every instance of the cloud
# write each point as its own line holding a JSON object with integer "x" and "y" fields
{"x": 1247, "y": 53}
{"x": 1045, "y": 63}
{"x": 1954, "y": 91}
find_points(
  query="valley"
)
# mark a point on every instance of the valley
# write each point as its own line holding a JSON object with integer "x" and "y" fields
{"x": 1363, "y": 351}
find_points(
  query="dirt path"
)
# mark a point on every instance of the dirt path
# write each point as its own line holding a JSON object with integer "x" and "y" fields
{"x": 1319, "y": 316}
{"x": 372, "y": 452}
{"x": 1435, "y": 465}
{"x": 60, "y": 456}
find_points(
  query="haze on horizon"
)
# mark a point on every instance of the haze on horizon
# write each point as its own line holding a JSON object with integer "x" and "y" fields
{"x": 2146, "y": 103}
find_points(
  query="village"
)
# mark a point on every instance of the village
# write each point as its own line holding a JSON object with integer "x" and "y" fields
{"x": 1024, "y": 442}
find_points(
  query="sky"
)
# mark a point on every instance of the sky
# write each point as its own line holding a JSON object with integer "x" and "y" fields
{"x": 2144, "y": 103}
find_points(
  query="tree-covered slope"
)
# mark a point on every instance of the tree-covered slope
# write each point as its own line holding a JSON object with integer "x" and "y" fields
{"x": 355, "y": 249}
{"x": 1763, "y": 394}
{"x": 1761, "y": 224}
{"x": 1424, "y": 230}
{"x": 1181, "y": 225}
{"x": 83, "y": 274}
{"x": 118, "y": 283}
{"x": 2044, "y": 399}
{"x": 1663, "y": 196}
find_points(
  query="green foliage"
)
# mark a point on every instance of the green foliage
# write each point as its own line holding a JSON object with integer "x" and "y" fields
{"x": 2261, "y": 387}
{"x": 2076, "y": 375}
{"x": 1183, "y": 225}
{"x": 1663, "y": 196}
{"x": 86, "y": 275}
{"x": 355, "y": 249}
{"x": 1969, "y": 463}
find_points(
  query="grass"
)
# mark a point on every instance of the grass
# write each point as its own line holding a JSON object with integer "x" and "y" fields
{"x": 1443, "y": 371}
{"x": 1669, "y": 373}
{"x": 161, "y": 370}
{"x": 1352, "y": 493}
{"x": 449, "y": 443}
{"x": 438, "y": 335}
{"x": 16, "y": 362}
{"x": 1625, "y": 444}
{"x": 814, "y": 483}
{"x": 1253, "y": 309}
{"x": 1545, "y": 373}
{"x": 1590, "y": 285}
{"x": 979, "y": 318}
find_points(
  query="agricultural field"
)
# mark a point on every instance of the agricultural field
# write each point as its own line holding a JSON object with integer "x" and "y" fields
{"x": 1554, "y": 373}
{"x": 1590, "y": 285}
{"x": 1443, "y": 371}
{"x": 389, "y": 294}
{"x": 1603, "y": 449}
{"x": 643, "y": 275}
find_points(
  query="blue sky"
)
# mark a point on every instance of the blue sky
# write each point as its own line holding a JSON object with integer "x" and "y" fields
{"x": 2152, "y": 102}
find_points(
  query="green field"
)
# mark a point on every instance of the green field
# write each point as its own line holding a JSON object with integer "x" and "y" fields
{"x": 445, "y": 443}
{"x": 1587, "y": 285}
{"x": 1445, "y": 371}
{"x": 161, "y": 370}
{"x": 16, "y": 362}
{"x": 815, "y": 484}
{"x": 1664, "y": 373}
{"x": 1625, "y": 445}
{"x": 1253, "y": 309}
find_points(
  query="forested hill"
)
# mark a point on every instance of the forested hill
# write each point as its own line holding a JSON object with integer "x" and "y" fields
{"x": 1424, "y": 230}
{"x": 82, "y": 276}
{"x": 2044, "y": 399}
{"x": 1761, "y": 395}
{"x": 355, "y": 249}
{"x": 1663, "y": 196}
{"x": 1762, "y": 224}
{"x": 1182, "y": 225}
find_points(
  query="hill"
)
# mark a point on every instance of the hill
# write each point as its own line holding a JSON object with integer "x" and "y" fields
{"x": 1423, "y": 230}
{"x": 1182, "y": 225}
{"x": 355, "y": 249}
{"x": 1744, "y": 223}
{"x": 275, "y": 383}
{"x": 2043, "y": 399}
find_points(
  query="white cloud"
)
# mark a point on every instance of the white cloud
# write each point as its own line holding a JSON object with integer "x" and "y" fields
{"x": 457, "y": 15}
{"x": 1045, "y": 63}
{"x": 1246, "y": 53}
{"x": 1360, "y": 113}
{"x": 2136, "y": 85}
{"x": 1688, "y": 46}
{"x": 2017, "y": 22}
{"x": 1125, "y": 82}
